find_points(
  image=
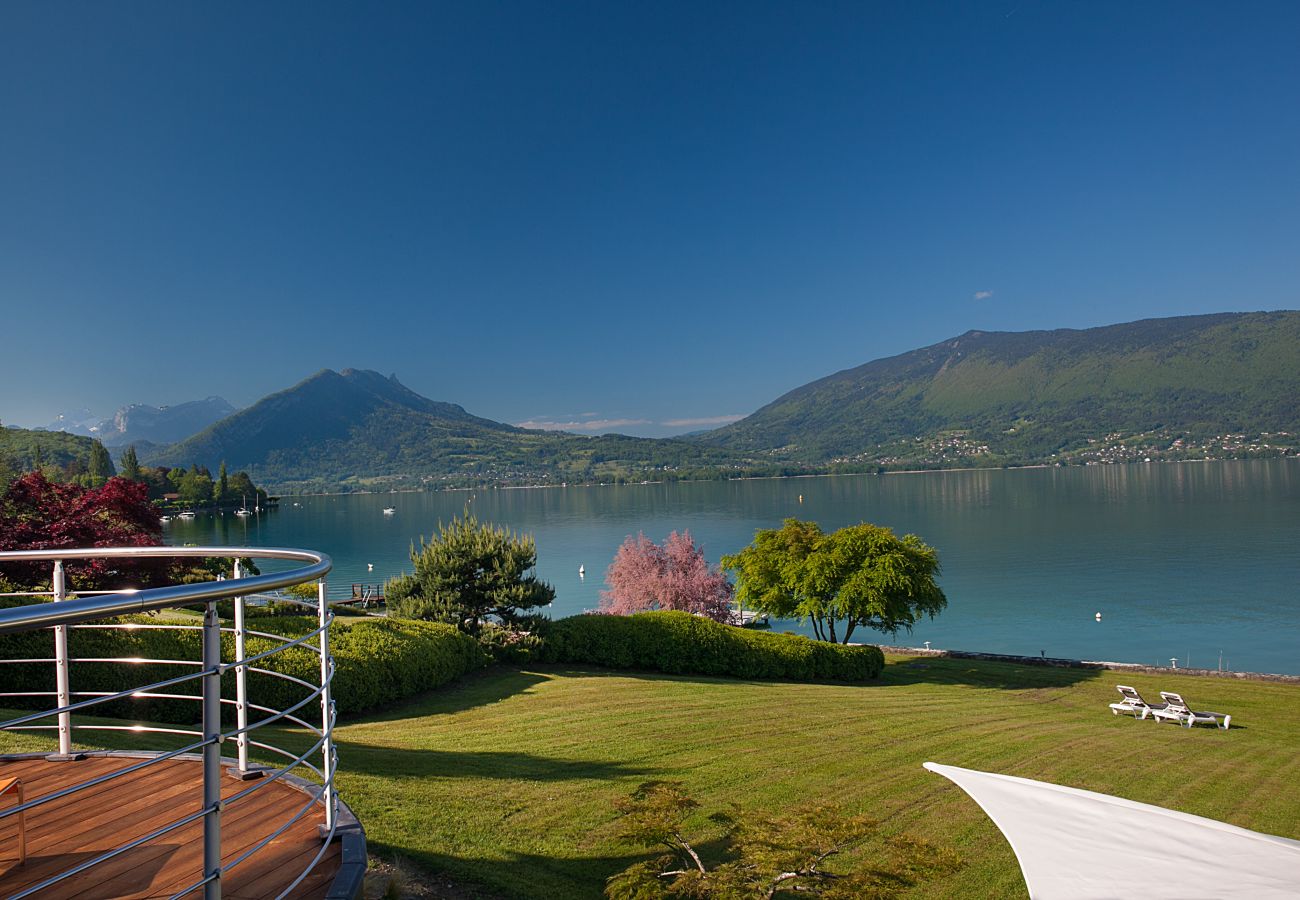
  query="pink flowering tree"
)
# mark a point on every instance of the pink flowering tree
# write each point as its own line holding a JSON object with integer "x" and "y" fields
{"x": 645, "y": 575}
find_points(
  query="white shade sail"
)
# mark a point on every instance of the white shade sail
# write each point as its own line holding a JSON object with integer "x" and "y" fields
{"x": 1075, "y": 844}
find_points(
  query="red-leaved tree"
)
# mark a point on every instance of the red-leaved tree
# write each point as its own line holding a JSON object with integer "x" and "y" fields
{"x": 646, "y": 576}
{"x": 39, "y": 514}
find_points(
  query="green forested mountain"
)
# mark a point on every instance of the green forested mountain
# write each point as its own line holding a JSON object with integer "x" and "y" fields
{"x": 23, "y": 450}
{"x": 359, "y": 429}
{"x": 1016, "y": 397}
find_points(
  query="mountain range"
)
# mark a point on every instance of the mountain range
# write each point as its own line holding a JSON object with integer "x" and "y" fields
{"x": 144, "y": 425}
{"x": 1220, "y": 385}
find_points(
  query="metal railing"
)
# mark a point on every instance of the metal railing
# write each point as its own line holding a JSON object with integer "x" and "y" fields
{"x": 68, "y": 612}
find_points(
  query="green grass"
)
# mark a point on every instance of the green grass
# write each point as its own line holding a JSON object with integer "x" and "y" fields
{"x": 508, "y": 779}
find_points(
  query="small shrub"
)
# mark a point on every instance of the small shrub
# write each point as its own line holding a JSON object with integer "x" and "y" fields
{"x": 681, "y": 643}
{"x": 511, "y": 646}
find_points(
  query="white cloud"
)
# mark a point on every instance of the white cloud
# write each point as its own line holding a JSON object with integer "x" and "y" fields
{"x": 706, "y": 420}
{"x": 589, "y": 425}
{"x": 982, "y": 295}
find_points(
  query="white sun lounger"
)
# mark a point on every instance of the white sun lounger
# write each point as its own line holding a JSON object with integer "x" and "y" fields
{"x": 1177, "y": 710}
{"x": 1133, "y": 703}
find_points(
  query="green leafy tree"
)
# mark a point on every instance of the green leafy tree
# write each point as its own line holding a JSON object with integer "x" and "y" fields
{"x": 799, "y": 853}
{"x": 469, "y": 574}
{"x": 195, "y": 487}
{"x": 240, "y": 485}
{"x": 156, "y": 480}
{"x": 130, "y": 464}
{"x": 863, "y": 575}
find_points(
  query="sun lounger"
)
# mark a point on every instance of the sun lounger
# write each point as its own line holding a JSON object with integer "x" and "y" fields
{"x": 1133, "y": 703}
{"x": 1177, "y": 710}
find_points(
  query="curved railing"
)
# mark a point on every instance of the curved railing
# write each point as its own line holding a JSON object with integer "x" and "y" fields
{"x": 89, "y": 608}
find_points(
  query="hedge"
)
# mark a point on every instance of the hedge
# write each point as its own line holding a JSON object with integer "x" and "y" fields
{"x": 680, "y": 643}
{"x": 377, "y": 663}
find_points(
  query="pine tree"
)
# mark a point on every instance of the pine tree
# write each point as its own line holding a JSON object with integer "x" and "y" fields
{"x": 222, "y": 489}
{"x": 468, "y": 574}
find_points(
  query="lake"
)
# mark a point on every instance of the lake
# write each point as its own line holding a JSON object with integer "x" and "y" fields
{"x": 1193, "y": 561}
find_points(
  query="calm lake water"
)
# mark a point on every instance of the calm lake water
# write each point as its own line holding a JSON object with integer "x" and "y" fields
{"x": 1188, "y": 560}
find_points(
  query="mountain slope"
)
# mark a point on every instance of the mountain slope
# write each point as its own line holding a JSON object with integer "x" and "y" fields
{"x": 360, "y": 429}
{"x": 1023, "y": 396}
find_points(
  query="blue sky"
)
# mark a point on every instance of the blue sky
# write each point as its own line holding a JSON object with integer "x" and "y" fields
{"x": 615, "y": 213}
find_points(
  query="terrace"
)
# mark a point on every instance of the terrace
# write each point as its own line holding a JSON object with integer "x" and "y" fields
{"x": 169, "y": 816}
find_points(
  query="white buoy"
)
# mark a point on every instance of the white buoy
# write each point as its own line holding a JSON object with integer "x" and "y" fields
{"x": 1098, "y": 617}
{"x": 370, "y": 567}
{"x": 582, "y": 571}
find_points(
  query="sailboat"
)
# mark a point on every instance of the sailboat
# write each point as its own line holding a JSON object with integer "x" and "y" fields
{"x": 243, "y": 510}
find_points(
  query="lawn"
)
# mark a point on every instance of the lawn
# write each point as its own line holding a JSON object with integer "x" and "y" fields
{"x": 507, "y": 779}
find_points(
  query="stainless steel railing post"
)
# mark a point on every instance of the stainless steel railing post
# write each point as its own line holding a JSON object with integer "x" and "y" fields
{"x": 212, "y": 751}
{"x": 241, "y": 680}
{"x": 62, "y": 684}
{"x": 326, "y": 704}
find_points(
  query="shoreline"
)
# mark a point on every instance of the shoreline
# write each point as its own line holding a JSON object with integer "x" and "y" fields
{"x": 1062, "y": 663}
{"x": 589, "y": 484}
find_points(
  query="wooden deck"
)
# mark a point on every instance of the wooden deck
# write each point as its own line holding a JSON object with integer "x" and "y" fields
{"x": 76, "y": 828}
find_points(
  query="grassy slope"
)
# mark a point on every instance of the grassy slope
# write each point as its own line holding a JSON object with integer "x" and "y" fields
{"x": 508, "y": 779}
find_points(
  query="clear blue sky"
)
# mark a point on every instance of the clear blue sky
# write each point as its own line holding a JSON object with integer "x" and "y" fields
{"x": 563, "y": 212}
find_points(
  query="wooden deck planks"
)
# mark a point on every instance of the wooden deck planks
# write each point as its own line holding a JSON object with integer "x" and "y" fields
{"x": 76, "y": 828}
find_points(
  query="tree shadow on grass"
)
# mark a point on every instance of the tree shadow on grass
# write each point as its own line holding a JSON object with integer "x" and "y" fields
{"x": 367, "y": 759}
{"x": 481, "y": 688}
{"x": 983, "y": 673}
{"x": 526, "y": 874}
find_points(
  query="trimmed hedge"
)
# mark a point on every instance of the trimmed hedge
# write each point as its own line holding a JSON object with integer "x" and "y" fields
{"x": 680, "y": 643}
{"x": 378, "y": 662}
